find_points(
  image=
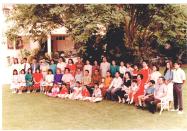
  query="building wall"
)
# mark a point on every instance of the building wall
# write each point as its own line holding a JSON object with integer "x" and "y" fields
{"x": 65, "y": 44}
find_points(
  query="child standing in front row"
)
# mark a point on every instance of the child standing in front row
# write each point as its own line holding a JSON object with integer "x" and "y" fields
{"x": 29, "y": 80}
{"x": 22, "y": 81}
{"x": 132, "y": 91}
{"x": 15, "y": 81}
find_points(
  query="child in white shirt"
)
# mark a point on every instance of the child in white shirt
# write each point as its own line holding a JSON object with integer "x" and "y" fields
{"x": 15, "y": 81}
{"x": 22, "y": 81}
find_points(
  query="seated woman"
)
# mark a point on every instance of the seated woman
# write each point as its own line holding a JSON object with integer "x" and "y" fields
{"x": 63, "y": 92}
{"x": 68, "y": 79}
{"x": 54, "y": 91}
{"x": 58, "y": 77}
{"x": 78, "y": 75}
{"x": 49, "y": 79}
{"x": 106, "y": 83}
{"x": 86, "y": 81}
{"x": 125, "y": 89}
{"x": 37, "y": 78}
{"x": 77, "y": 92}
{"x": 149, "y": 91}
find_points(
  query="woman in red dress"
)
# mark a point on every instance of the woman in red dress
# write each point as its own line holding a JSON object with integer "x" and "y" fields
{"x": 71, "y": 66}
{"x": 37, "y": 77}
{"x": 145, "y": 71}
{"x": 140, "y": 90}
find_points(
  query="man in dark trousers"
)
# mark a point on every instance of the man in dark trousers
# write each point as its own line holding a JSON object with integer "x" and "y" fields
{"x": 179, "y": 78}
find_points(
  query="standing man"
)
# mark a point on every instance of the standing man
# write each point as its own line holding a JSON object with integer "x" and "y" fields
{"x": 34, "y": 65}
{"x": 179, "y": 78}
{"x": 104, "y": 67}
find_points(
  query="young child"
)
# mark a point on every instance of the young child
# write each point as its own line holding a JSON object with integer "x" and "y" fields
{"x": 76, "y": 94}
{"x": 15, "y": 81}
{"x": 37, "y": 78}
{"x": 49, "y": 81}
{"x": 29, "y": 80}
{"x": 85, "y": 93}
{"x": 54, "y": 91}
{"x": 97, "y": 95}
{"x": 22, "y": 81}
{"x": 149, "y": 91}
{"x": 63, "y": 92}
{"x": 132, "y": 91}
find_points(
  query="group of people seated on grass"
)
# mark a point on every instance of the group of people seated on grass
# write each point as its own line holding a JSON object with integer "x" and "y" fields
{"x": 124, "y": 83}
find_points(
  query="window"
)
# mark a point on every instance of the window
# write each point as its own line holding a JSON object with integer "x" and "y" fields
{"x": 60, "y": 37}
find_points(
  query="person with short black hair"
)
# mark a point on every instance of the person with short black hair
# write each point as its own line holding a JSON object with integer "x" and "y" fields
{"x": 149, "y": 91}
{"x": 179, "y": 78}
{"x": 115, "y": 85}
{"x": 25, "y": 65}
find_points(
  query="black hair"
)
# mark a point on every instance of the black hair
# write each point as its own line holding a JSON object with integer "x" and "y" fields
{"x": 129, "y": 74}
{"x": 87, "y": 71}
{"x": 152, "y": 81}
{"x": 71, "y": 61}
{"x": 15, "y": 71}
{"x": 23, "y": 70}
{"x": 50, "y": 71}
{"x": 162, "y": 78}
{"x": 141, "y": 76}
{"x": 157, "y": 68}
{"x": 135, "y": 81}
{"x": 67, "y": 69}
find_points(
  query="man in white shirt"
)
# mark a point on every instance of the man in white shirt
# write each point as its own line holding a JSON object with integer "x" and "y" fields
{"x": 115, "y": 85}
{"x": 104, "y": 67}
{"x": 25, "y": 64}
{"x": 179, "y": 78}
{"x": 159, "y": 93}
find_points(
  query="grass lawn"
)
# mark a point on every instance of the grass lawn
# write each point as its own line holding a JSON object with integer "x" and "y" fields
{"x": 37, "y": 111}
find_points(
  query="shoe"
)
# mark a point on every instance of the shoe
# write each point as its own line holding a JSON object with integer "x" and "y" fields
{"x": 180, "y": 112}
{"x": 28, "y": 92}
{"x": 19, "y": 92}
{"x": 174, "y": 110}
